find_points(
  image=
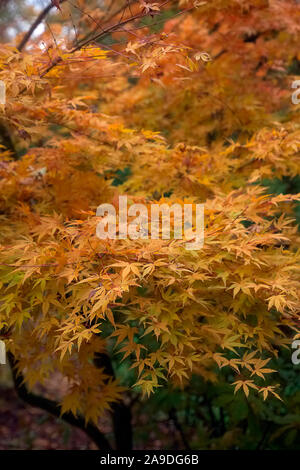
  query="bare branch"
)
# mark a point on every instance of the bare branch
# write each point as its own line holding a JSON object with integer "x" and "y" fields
{"x": 98, "y": 36}
{"x": 35, "y": 24}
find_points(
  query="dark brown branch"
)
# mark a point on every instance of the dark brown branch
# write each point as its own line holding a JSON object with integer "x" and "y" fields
{"x": 121, "y": 413}
{"x": 262, "y": 442}
{"x": 35, "y": 24}
{"x": 38, "y": 21}
{"x": 174, "y": 418}
{"x": 112, "y": 28}
{"x": 54, "y": 408}
{"x": 98, "y": 36}
{"x": 107, "y": 19}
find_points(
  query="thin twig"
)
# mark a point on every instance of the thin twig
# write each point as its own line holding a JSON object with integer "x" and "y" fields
{"x": 35, "y": 24}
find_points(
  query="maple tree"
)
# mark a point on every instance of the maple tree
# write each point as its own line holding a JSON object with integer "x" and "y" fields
{"x": 172, "y": 101}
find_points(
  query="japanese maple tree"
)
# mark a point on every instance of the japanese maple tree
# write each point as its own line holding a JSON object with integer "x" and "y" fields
{"x": 170, "y": 101}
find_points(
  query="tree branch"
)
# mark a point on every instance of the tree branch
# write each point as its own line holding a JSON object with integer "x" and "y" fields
{"x": 121, "y": 413}
{"x": 35, "y": 24}
{"x": 174, "y": 418}
{"x": 54, "y": 408}
{"x": 98, "y": 36}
